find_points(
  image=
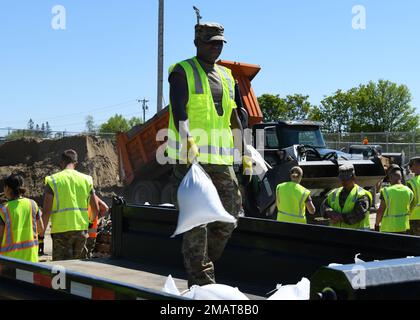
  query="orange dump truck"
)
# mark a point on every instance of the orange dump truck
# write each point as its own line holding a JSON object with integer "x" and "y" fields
{"x": 146, "y": 180}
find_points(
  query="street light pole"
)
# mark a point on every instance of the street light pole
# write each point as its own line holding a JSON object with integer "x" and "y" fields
{"x": 160, "y": 56}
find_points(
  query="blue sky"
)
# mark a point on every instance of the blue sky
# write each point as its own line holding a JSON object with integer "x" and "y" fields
{"x": 106, "y": 57}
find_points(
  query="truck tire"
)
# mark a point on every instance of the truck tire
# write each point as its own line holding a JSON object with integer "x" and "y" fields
{"x": 141, "y": 192}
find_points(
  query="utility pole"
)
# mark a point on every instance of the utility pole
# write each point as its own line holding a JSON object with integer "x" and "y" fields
{"x": 144, "y": 107}
{"x": 160, "y": 56}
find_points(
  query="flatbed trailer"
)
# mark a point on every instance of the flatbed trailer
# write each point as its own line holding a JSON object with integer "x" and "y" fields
{"x": 260, "y": 255}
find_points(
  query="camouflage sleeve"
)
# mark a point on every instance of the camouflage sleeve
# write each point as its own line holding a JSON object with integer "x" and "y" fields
{"x": 361, "y": 207}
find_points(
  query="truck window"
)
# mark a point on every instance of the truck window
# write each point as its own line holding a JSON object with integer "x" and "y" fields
{"x": 271, "y": 140}
{"x": 301, "y": 135}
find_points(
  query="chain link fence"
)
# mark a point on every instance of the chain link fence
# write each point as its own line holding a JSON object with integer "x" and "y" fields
{"x": 391, "y": 142}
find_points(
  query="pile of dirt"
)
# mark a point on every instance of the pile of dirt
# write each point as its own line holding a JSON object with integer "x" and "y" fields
{"x": 35, "y": 159}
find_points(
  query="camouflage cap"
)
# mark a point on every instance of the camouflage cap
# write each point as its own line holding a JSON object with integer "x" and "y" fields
{"x": 207, "y": 32}
{"x": 346, "y": 171}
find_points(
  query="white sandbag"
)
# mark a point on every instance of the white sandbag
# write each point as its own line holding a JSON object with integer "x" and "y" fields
{"x": 170, "y": 287}
{"x": 299, "y": 291}
{"x": 198, "y": 201}
{"x": 334, "y": 265}
{"x": 215, "y": 292}
{"x": 357, "y": 260}
{"x": 260, "y": 166}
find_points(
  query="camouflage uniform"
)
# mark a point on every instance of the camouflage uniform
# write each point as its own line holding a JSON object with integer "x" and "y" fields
{"x": 204, "y": 245}
{"x": 69, "y": 245}
{"x": 414, "y": 228}
{"x": 90, "y": 246}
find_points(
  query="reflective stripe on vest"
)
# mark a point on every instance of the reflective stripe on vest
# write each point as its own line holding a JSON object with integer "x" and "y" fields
{"x": 229, "y": 81}
{"x": 197, "y": 80}
{"x": 205, "y": 149}
{"x": 8, "y": 225}
{"x": 211, "y": 131}
{"x": 415, "y": 183}
{"x": 9, "y": 245}
{"x": 397, "y": 199}
{"x": 290, "y": 198}
{"x": 300, "y": 214}
{"x": 388, "y": 208}
{"x": 57, "y": 201}
{"x": 72, "y": 191}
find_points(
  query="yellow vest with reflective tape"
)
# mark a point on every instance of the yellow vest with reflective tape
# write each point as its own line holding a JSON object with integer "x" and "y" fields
{"x": 20, "y": 239}
{"x": 211, "y": 132}
{"x": 415, "y": 185}
{"x": 291, "y": 199}
{"x": 396, "y": 216}
{"x": 72, "y": 191}
{"x": 356, "y": 193}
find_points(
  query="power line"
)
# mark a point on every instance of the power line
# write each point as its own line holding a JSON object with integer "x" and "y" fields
{"x": 91, "y": 110}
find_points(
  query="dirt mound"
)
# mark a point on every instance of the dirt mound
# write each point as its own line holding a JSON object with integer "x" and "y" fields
{"x": 35, "y": 159}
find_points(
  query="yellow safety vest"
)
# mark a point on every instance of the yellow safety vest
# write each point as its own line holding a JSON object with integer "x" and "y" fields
{"x": 20, "y": 239}
{"x": 72, "y": 191}
{"x": 333, "y": 201}
{"x": 396, "y": 216}
{"x": 211, "y": 132}
{"x": 415, "y": 185}
{"x": 291, "y": 199}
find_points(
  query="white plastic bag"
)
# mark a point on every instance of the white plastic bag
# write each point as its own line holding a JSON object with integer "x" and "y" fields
{"x": 198, "y": 201}
{"x": 215, "y": 292}
{"x": 170, "y": 287}
{"x": 260, "y": 166}
{"x": 357, "y": 260}
{"x": 299, "y": 291}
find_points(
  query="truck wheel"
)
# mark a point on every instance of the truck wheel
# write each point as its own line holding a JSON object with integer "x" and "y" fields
{"x": 144, "y": 191}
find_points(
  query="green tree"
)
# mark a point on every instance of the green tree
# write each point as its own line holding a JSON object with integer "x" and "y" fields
{"x": 374, "y": 107}
{"x": 134, "y": 121}
{"x": 17, "y": 134}
{"x": 48, "y": 130}
{"x": 297, "y": 107}
{"x": 336, "y": 111}
{"x": 31, "y": 124}
{"x": 115, "y": 124}
{"x": 384, "y": 107}
{"x": 90, "y": 124}
{"x": 293, "y": 107}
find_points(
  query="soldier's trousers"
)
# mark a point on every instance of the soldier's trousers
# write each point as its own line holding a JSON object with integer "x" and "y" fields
{"x": 204, "y": 245}
{"x": 69, "y": 245}
{"x": 90, "y": 246}
{"x": 414, "y": 228}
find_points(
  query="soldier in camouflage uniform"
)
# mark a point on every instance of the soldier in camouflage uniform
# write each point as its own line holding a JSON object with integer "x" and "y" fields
{"x": 204, "y": 245}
